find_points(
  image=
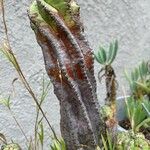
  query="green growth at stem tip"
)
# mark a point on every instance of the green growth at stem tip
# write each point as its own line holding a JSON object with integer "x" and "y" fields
{"x": 65, "y": 8}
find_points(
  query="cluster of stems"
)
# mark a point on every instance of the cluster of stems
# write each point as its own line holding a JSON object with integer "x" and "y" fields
{"x": 69, "y": 64}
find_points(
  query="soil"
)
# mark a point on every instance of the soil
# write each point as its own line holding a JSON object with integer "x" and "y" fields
{"x": 146, "y": 132}
{"x": 126, "y": 125}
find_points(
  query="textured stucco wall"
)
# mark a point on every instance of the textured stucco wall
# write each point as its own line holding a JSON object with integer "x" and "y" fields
{"x": 104, "y": 20}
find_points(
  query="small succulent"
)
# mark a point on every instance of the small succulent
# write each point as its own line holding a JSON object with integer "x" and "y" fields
{"x": 106, "y": 112}
{"x": 139, "y": 80}
{"x": 126, "y": 141}
{"x": 105, "y": 57}
{"x": 131, "y": 141}
{"x": 133, "y": 107}
{"x": 12, "y": 146}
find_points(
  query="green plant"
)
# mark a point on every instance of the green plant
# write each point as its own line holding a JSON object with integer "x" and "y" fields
{"x": 106, "y": 58}
{"x": 125, "y": 140}
{"x": 7, "y": 104}
{"x": 36, "y": 141}
{"x": 39, "y": 121}
{"x": 108, "y": 143}
{"x": 146, "y": 107}
{"x": 7, "y": 50}
{"x": 131, "y": 141}
{"x": 136, "y": 113}
{"x": 139, "y": 80}
{"x": 58, "y": 145}
{"x": 138, "y": 104}
{"x": 106, "y": 112}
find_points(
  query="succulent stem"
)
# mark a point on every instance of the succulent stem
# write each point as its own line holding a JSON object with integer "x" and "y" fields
{"x": 69, "y": 64}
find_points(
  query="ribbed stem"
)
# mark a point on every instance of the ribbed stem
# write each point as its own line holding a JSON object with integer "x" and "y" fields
{"x": 69, "y": 64}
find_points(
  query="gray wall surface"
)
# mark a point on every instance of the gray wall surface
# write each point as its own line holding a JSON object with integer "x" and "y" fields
{"x": 104, "y": 20}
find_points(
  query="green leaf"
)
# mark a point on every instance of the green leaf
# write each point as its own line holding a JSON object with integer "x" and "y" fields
{"x": 131, "y": 83}
{"x": 144, "y": 86}
{"x": 136, "y": 74}
{"x": 144, "y": 68}
{"x": 98, "y": 148}
{"x": 109, "y": 141}
{"x": 58, "y": 145}
{"x": 102, "y": 55}
{"x": 142, "y": 124}
{"x": 63, "y": 145}
{"x": 139, "y": 80}
{"x": 114, "y": 52}
{"x": 6, "y": 102}
{"x": 97, "y": 58}
{"x": 110, "y": 52}
{"x": 104, "y": 142}
{"x": 41, "y": 134}
{"x": 133, "y": 107}
{"x": 147, "y": 109}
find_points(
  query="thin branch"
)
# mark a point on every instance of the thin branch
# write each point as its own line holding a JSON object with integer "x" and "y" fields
{"x": 20, "y": 73}
{"x": 4, "y": 22}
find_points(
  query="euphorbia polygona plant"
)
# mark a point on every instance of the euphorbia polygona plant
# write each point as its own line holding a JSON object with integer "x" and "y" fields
{"x": 69, "y": 64}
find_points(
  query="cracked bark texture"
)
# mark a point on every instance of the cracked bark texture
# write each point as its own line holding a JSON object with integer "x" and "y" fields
{"x": 69, "y": 63}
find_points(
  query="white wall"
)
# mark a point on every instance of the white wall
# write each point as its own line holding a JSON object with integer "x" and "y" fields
{"x": 104, "y": 20}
